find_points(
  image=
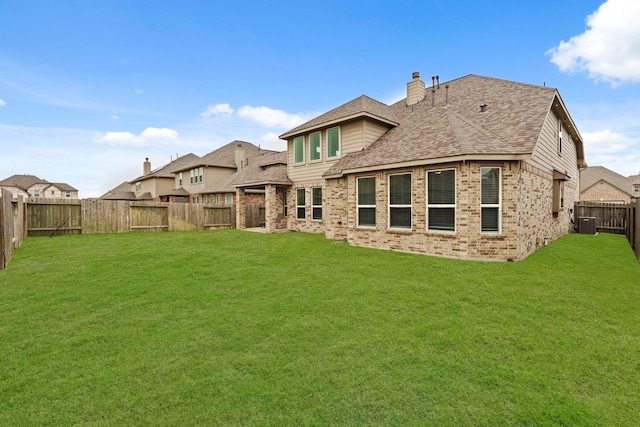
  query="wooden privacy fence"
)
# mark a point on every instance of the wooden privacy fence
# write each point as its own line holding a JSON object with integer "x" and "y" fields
{"x": 614, "y": 218}
{"x": 87, "y": 216}
{"x": 12, "y": 225}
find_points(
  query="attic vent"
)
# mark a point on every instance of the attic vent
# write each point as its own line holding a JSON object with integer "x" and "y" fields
{"x": 483, "y": 108}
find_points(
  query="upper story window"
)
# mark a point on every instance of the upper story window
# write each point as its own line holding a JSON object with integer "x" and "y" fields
{"x": 636, "y": 188}
{"x": 138, "y": 185}
{"x": 298, "y": 149}
{"x": 68, "y": 194}
{"x": 559, "y": 136}
{"x": 490, "y": 203}
{"x": 314, "y": 146}
{"x": 367, "y": 201}
{"x": 333, "y": 142}
{"x": 180, "y": 179}
{"x": 196, "y": 175}
{"x": 441, "y": 200}
{"x": 36, "y": 193}
{"x": 400, "y": 201}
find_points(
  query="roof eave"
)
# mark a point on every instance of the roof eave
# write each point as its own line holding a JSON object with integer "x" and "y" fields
{"x": 333, "y": 122}
{"x": 434, "y": 161}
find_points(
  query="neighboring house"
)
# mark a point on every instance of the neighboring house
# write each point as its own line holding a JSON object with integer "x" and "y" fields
{"x": 475, "y": 168}
{"x": 152, "y": 185}
{"x": 599, "y": 184}
{"x": 197, "y": 177}
{"x": 32, "y": 186}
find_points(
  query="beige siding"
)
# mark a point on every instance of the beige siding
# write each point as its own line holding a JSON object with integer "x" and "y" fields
{"x": 354, "y": 136}
{"x": 373, "y": 131}
{"x": 547, "y": 158}
{"x": 211, "y": 175}
{"x": 546, "y": 155}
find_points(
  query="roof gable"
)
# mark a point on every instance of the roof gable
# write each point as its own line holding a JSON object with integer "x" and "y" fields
{"x": 362, "y": 106}
{"x": 592, "y": 175}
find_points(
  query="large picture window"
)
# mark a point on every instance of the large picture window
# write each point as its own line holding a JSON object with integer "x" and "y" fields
{"x": 400, "y": 201}
{"x": 300, "y": 207}
{"x": 441, "y": 200}
{"x": 298, "y": 149}
{"x": 333, "y": 142}
{"x": 316, "y": 203}
{"x": 367, "y": 201}
{"x": 314, "y": 146}
{"x": 490, "y": 200}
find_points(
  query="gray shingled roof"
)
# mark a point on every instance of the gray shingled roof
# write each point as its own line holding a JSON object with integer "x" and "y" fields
{"x": 267, "y": 167}
{"x": 224, "y": 157}
{"x": 166, "y": 171}
{"x": 593, "y": 175}
{"x": 22, "y": 182}
{"x": 434, "y": 129}
{"x": 359, "y": 107}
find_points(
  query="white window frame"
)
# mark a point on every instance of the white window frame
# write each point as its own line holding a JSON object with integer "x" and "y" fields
{"x": 228, "y": 199}
{"x": 442, "y": 206}
{"x": 298, "y": 138}
{"x": 492, "y": 205}
{"x": 636, "y": 188}
{"x": 404, "y": 206}
{"x": 359, "y": 206}
{"x": 138, "y": 186}
{"x": 314, "y": 207}
{"x": 302, "y": 206}
{"x": 319, "y": 147}
{"x": 180, "y": 179}
{"x": 200, "y": 173}
{"x": 36, "y": 193}
{"x": 337, "y": 155}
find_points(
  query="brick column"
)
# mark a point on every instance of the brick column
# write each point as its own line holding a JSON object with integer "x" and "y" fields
{"x": 241, "y": 222}
{"x": 270, "y": 208}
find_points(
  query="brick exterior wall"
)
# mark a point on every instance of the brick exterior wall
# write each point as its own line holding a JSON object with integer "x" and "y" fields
{"x": 307, "y": 224}
{"x": 527, "y": 221}
{"x": 605, "y": 192}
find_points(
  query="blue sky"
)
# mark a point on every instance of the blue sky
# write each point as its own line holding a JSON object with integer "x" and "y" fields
{"x": 89, "y": 89}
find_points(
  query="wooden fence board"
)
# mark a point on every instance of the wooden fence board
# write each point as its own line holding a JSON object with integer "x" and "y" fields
{"x": 6, "y": 227}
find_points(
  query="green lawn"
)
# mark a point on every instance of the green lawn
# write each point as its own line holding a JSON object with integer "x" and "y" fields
{"x": 236, "y": 328}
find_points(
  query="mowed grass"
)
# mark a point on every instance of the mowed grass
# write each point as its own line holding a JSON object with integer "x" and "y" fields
{"x": 237, "y": 328}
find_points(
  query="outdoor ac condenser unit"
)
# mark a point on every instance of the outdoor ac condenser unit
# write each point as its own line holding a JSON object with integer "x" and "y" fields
{"x": 587, "y": 225}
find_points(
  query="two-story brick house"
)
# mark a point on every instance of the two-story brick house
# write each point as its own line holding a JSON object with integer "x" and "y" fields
{"x": 474, "y": 168}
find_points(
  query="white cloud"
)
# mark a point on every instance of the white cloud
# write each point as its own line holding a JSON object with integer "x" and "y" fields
{"x": 610, "y": 49}
{"x": 159, "y": 133}
{"x": 271, "y": 117}
{"x": 120, "y": 138}
{"x": 221, "y": 110}
{"x": 615, "y": 151}
{"x": 130, "y": 139}
{"x": 2, "y": 103}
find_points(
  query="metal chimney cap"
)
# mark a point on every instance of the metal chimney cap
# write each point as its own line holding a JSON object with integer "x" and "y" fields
{"x": 415, "y": 75}
{"x": 483, "y": 108}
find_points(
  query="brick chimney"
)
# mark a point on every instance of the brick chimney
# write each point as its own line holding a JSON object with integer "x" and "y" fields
{"x": 415, "y": 90}
{"x": 146, "y": 167}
